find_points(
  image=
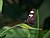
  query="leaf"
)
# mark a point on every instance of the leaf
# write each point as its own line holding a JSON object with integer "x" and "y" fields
{"x": 3, "y": 36}
{"x": 13, "y": 32}
{"x": 17, "y": 33}
{"x": 1, "y": 3}
{"x": 24, "y": 26}
{"x": 47, "y": 35}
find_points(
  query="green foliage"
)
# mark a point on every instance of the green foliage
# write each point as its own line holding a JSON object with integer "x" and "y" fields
{"x": 17, "y": 33}
{"x": 1, "y": 3}
{"x": 42, "y": 33}
{"x": 47, "y": 35}
{"x": 13, "y": 32}
{"x": 24, "y": 32}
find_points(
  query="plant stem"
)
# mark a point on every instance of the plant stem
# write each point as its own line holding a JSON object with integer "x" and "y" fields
{"x": 37, "y": 14}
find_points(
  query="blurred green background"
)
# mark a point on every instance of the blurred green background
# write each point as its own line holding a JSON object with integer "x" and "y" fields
{"x": 44, "y": 11}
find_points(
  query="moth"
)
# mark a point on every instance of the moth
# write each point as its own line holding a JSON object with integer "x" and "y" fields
{"x": 31, "y": 19}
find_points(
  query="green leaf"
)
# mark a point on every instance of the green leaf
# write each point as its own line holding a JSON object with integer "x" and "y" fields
{"x": 18, "y": 33}
{"x": 47, "y": 35}
{"x": 24, "y": 26}
{"x": 1, "y": 3}
{"x": 13, "y": 32}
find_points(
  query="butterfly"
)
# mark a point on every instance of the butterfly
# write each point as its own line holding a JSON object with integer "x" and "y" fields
{"x": 31, "y": 19}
